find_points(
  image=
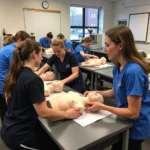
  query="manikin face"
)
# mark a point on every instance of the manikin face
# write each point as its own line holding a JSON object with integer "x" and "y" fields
{"x": 112, "y": 50}
{"x": 58, "y": 51}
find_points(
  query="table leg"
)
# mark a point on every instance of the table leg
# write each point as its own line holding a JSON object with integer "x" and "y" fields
{"x": 96, "y": 77}
{"x": 92, "y": 74}
{"x": 125, "y": 140}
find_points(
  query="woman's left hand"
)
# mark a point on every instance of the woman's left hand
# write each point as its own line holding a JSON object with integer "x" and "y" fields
{"x": 94, "y": 106}
{"x": 95, "y": 57}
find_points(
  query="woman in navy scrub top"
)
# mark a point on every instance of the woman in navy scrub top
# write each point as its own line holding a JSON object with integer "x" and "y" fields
{"x": 6, "y": 54}
{"x": 25, "y": 98}
{"x": 66, "y": 64}
{"x": 130, "y": 86}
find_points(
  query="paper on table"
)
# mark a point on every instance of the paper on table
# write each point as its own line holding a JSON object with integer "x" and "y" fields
{"x": 52, "y": 95}
{"x": 104, "y": 66}
{"x": 88, "y": 118}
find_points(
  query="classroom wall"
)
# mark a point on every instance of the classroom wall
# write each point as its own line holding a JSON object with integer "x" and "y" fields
{"x": 122, "y": 9}
{"x": 12, "y": 18}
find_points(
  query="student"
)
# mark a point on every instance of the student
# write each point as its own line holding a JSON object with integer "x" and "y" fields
{"x": 66, "y": 64}
{"x": 67, "y": 43}
{"x": 25, "y": 98}
{"x": 130, "y": 86}
{"x": 82, "y": 50}
{"x": 46, "y": 41}
{"x": 5, "y": 60}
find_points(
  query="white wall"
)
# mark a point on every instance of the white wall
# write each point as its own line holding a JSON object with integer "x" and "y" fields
{"x": 12, "y": 19}
{"x": 122, "y": 9}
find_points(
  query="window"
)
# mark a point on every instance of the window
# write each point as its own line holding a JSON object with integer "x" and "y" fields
{"x": 81, "y": 19}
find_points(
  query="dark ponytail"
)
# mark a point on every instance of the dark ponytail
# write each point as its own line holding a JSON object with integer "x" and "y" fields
{"x": 10, "y": 80}
{"x": 19, "y": 56}
{"x": 50, "y": 35}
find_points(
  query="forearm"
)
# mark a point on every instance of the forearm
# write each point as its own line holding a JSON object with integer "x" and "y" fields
{"x": 70, "y": 78}
{"x": 124, "y": 112}
{"x": 40, "y": 71}
{"x": 108, "y": 93}
{"x": 53, "y": 114}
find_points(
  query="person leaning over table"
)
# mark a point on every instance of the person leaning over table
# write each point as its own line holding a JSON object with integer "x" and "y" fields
{"x": 130, "y": 86}
{"x": 46, "y": 41}
{"x": 25, "y": 98}
{"x": 66, "y": 64}
{"x": 6, "y": 54}
{"x": 82, "y": 50}
{"x": 67, "y": 43}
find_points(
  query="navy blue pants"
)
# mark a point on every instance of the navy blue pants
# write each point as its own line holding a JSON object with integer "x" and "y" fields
{"x": 41, "y": 141}
{"x": 133, "y": 145}
{"x": 3, "y": 107}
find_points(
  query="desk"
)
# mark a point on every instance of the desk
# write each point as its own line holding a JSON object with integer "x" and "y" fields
{"x": 105, "y": 74}
{"x": 46, "y": 56}
{"x": 100, "y": 53}
{"x": 69, "y": 135}
{"x": 93, "y": 70}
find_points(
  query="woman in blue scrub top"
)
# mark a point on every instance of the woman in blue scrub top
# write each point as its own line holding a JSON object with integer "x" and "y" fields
{"x": 24, "y": 90}
{"x": 6, "y": 54}
{"x": 82, "y": 50}
{"x": 67, "y": 43}
{"x": 66, "y": 64}
{"x": 45, "y": 42}
{"x": 130, "y": 85}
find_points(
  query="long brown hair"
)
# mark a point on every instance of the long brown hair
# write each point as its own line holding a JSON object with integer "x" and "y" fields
{"x": 19, "y": 35}
{"x": 20, "y": 55}
{"x": 122, "y": 34}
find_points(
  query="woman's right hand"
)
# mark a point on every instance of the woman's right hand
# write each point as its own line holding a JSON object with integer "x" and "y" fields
{"x": 73, "y": 113}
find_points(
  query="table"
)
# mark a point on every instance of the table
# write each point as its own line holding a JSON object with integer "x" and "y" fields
{"x": 46, "y": 56}
{"x": 100, "y": 53}
{"x": 69, "y": 135}
{"x": 105, "y": 74}
{"x": 92, "y": 70}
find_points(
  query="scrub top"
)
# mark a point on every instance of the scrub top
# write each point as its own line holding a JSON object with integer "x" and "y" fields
{"x": 65, "y": 68}
{"x": 45, "y": 43}
{"x": 132, "y": 80}
{"x": 68, "y": 45}
{"x": 21, "y": 118}
{"x": 79, "y": 49}
{"x": 6, "y": 54}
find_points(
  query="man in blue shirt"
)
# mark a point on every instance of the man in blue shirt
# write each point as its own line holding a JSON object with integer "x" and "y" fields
{"x": 45, "y": 42}
{"x": 67, "y": 43}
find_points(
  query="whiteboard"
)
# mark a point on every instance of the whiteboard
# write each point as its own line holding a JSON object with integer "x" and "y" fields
{"x": 41, "y": 23}
{"x": 138, "y": 23}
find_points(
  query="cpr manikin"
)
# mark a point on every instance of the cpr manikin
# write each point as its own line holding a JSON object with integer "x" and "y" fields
{"x": 54, "y": 86}
{"x": 48, "y": 76}
{"x": 73, "y": 100}
{"x": 94, "y": 62}
{"x": 49, "y": 50}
